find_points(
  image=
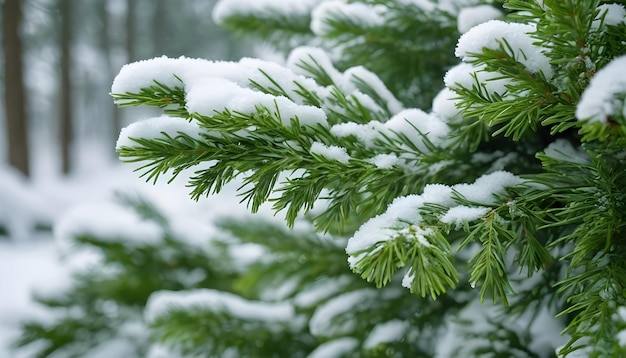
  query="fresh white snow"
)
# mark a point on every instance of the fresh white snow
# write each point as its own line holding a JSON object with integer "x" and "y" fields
{"x": 601, "y": 98}
{"x": 220, "y": 301}
{"x": 493, "y": 33}
{"x": 330, "y": 152}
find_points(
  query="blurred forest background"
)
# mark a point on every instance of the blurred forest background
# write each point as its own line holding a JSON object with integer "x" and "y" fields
{"x": 60, "y": 58}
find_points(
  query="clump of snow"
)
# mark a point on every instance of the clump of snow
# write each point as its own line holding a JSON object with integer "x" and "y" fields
{"x": 414, "y": 124}
{"x": 324, "y": 322}
{"x": 348, "y": 82}
{"x": 354, "y": 74}
{"x": 484, "y": 189}
{"x": 308, "y": 54}
{"x": 384, "y": 226}
{"x": 27, "y": 267}
{"x": 600, "y": 100}
{"x": 471, "y": 16}
{"x": 563, "y": 150}
{"x": 386, "y": 332}
{"x": 258, "y": 71}
{"x": 161, "y": 302}
{"x": 367, "y": 134}
{"x": 493, "y": 33}
{"x": 221, "y": 92}
{"x": 155, "y": 128}
{"x": 417, "y": 124}
{"x": 465, "y": 75}
{"x": 462, "y": 214}
{"x": 330, "y": 152}
{"x": 610, "y": 14}
{"x": 336, "y": 348}
{"x": 142, "y": 74}
{"x": 384, "y": 161}
{"x": 115, "y": 222}
{"x": 321, "y": 290}
{"x": 444, "y": 105}
{"x": 213, "y": 86}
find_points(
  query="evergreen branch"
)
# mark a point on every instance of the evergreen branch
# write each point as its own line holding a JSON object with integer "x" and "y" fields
{"x": 172, "y": 100}
{"x": 314, "y": 70}
{"x": 489, "y": 268}
{"x": 409, "y": 69}
{"x": 200, "y": 331}
{"x": 279, "y": 30}
{"x": 431, "y": 267}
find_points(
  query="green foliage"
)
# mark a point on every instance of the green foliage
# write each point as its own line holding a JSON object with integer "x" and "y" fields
{"x": 412, "y": 69}
{"x": 109, "y": 297}
{"x": 539, "y": 231}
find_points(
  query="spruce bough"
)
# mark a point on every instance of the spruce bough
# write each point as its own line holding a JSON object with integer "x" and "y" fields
{"x": 507, "y": 168}
{"x": 508, "y": 193}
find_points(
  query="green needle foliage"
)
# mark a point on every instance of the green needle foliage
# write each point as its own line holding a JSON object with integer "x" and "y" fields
{"x": 501, "y": 210}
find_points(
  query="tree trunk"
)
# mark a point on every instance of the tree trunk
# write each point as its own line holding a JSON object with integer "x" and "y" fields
{"x": 159, "y": 28}
{"x": 14, "y": 91}
{"x": 131, "y": 9}
{"x": 66, "y": 128}
{"x": 105, "y": 44}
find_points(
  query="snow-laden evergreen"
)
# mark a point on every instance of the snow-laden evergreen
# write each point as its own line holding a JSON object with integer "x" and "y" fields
{"x": 483, "y": 218}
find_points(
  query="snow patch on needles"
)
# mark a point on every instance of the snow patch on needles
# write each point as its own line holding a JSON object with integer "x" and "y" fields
{"x": 484, "y": 189}
{"x": 348, "y": 82}
{"x": 610, "y": 14}
{"x": 465, "y": 75}
{"x": 354, "y": 74}
{"x": 161, "y": 302}
{"x": 472, "y": 16}
{"x": 115, "y": 223}
{"x": 384, "y": 161}
{"x": 418, "y": 125}
{"x": 336, "y": 348}
{"x": 462, "y": 214}
{"x": 385, "y": 333}
{"x": 384, "y": 227}
{"x": 323, "y": 323}
{"x": 306, "y": 55}
{"x": 403, "y": 217}
{"x": 330, "y": 152}
{"x": 213, "y": 86}
{"x": 444, "y": 105}
{"x": 601, "y": 99}
{"x": 493, "y": 34}
{"x": 155, "y": 128}
{"x": 367, "y": 134}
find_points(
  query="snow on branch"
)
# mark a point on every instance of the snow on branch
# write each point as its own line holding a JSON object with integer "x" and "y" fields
{"x": 513, "y": 37}
{"x": 604, "y": 97}
{"x": 162, "y": 302}
{"x": 402, "y": 235}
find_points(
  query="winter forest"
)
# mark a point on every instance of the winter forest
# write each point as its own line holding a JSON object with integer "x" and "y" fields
{"x": 313, "y": 178}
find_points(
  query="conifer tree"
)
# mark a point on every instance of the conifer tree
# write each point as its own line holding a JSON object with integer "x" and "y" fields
{"x": 469, "y": 159}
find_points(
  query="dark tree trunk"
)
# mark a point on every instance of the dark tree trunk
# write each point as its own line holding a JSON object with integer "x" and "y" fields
{"x": 159, "y": 28}
{"x": 105, "y": 43}
{"x": 131, "y": 9}
{"x": 14, "y": 91}
{"x": 66, "y": 128}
